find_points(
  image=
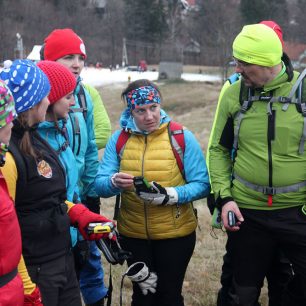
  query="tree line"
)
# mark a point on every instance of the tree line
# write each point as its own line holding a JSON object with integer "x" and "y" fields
{"x": 154, "y": 30}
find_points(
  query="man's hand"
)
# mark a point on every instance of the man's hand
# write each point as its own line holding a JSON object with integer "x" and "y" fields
{"x": 231, "y": 206}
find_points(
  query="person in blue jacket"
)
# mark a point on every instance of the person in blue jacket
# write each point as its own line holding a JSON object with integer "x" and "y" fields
{"x": 156, "y": 223}
{"x": 54, "y": 129}
{"x": 63, "y": 45}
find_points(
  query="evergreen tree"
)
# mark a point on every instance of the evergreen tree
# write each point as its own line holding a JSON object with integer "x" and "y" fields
{"x": 256, "y": 11}
{"x": 298, "y": 23}
{"x": 144, "y": 20}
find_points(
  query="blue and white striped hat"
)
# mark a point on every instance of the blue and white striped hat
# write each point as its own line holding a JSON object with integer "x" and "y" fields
{"x": 28, "y": 84}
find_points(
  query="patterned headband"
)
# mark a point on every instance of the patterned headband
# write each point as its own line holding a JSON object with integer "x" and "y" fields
{"x": 141, "y": 96}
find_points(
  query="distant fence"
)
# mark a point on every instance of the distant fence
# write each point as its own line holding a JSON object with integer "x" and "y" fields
{"x": 166, "y": 52}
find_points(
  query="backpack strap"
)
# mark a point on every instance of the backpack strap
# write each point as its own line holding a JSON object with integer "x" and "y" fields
{"x": 298, "y": 97}
{"x": 82, "y": 102}
{"x": 121, "y": 142}
{"x": 75, "y": 120}
{"x": 177, "y": 140}
{"x": 246, "y": 99}
{"x": 120, "y": 145}
{"x": 270, "y": 190}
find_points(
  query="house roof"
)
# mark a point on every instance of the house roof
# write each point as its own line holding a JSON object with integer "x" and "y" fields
{"x": 294, "y": 50}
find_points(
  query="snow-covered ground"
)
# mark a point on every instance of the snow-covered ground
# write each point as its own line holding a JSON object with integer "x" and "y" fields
{"x": 99, "y": 77}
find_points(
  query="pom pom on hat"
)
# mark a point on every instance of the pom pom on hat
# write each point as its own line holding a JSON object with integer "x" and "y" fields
{"x": 62, "y": 42}
{"x": 276, "y": 28}
{"x": 28, "y": 84}
{"x": 258, "y": 44}
{"x": 7, "y": 105}
{"x": 62, "y": 81}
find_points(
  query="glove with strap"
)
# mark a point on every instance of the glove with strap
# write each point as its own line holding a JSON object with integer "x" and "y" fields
{"x": 139, "y": 273}
{"x": 159, "y": 195}
{"x": 33, "y": 299}
{"x": 80, "y": 216}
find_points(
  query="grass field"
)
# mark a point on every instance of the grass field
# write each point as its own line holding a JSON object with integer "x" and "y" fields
{"x": 192, "y": 104}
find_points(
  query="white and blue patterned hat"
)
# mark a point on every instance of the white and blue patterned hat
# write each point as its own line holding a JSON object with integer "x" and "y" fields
{"x": 28, "y": 84}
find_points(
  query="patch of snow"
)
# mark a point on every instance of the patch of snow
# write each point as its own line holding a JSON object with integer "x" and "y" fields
{"x": 100, "y": 77}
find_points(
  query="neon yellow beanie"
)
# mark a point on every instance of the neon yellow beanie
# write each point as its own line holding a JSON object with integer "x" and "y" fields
{"x": 258, "y": 44}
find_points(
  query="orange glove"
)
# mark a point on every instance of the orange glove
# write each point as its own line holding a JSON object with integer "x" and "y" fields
{"x": 33, "y": 299}
{"x": 81, "y": 216}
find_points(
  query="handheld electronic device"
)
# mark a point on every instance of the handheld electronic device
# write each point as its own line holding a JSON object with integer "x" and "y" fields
{"x": 231, "y": 218}
{"x": 100, "y": 228}
{"x": 141, "y": 184}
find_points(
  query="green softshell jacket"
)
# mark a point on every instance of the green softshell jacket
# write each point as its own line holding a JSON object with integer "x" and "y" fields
{"x": 267, "y": 149}
{"x": 102, "y": 125}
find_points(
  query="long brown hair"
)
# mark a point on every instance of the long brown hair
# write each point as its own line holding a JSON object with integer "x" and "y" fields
{"x": 53, "y": 116}
{"x": 26, "y": 145}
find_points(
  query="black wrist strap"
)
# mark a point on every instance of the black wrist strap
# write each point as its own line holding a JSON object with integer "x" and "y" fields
{"x": 220, "y": 202}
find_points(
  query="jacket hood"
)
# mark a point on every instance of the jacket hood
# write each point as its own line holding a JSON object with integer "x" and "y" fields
{"x": 50, "y": 124}
{"x": 128, "y": 124}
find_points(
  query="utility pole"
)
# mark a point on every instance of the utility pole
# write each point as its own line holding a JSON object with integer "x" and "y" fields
{"x": 124, "y": 54}
{"x": 19, "y": 47}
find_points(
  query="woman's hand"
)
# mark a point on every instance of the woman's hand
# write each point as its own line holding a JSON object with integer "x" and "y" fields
{"x": 122, "y": 180}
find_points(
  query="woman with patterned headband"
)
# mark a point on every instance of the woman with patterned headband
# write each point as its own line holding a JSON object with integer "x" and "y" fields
{"x": 157, "y": 223}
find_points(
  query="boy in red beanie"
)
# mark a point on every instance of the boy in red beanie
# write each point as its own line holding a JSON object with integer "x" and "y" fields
{"x": 87, "y": 123}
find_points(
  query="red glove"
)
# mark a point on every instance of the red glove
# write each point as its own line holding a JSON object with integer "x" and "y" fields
{"x": 33, "y": 299}
{"x": 81, "y": 216}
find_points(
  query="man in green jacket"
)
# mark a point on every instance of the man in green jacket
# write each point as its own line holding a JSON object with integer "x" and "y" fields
{"x": 263, "y": 181}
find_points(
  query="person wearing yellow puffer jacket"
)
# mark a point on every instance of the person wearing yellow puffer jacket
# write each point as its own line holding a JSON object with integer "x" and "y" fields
{"x": 157, "y": 227}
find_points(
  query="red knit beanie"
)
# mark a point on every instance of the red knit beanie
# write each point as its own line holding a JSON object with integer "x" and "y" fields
{"x": 62, "y": 81}
{"x": 62, "y": 42}
{"x": 275, "y": 27}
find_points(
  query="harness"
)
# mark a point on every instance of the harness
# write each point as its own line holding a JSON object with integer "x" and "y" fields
{"x": 296, "y": 96}
{"x": 75, "y": 120}
{"x": 177, "y": 140}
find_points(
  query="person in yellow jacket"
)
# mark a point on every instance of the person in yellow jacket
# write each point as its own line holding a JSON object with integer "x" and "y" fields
{"x": 157, "y": 224}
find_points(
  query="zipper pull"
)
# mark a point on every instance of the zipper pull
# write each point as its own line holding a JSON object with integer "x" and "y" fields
{"x": 178, "y": 211}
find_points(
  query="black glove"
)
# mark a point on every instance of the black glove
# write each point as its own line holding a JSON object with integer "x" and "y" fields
{"x": 211, "y": 203}
{"x": 159, "y": 195}
{"x": 93, "y": 204}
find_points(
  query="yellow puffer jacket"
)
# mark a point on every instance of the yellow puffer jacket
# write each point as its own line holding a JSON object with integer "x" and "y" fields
{"x": 152, "y": 157}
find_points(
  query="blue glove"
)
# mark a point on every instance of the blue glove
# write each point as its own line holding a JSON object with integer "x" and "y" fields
{"x": 159, "y": 195}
